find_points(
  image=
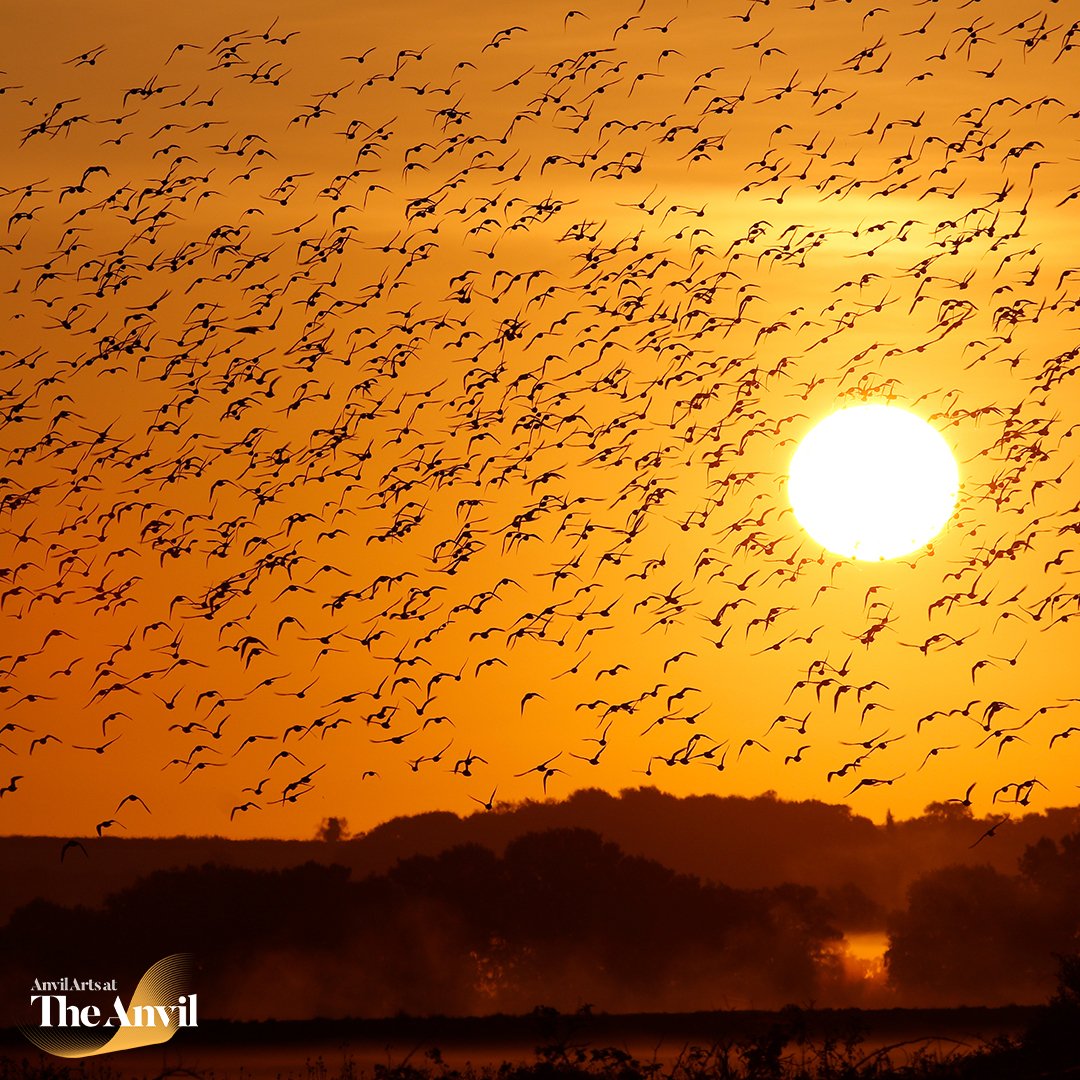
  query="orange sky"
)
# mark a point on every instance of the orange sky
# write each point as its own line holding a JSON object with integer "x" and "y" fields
{"x": 439, "y": 404}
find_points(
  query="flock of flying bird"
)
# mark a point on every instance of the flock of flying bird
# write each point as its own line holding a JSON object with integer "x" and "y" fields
{"x": 411, "y": 424}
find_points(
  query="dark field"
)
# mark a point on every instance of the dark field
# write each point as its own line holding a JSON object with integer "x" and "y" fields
{"x": 792, "y": 1043}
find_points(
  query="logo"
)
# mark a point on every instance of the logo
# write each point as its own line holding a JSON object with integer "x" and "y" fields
{"x": 71, "y": 1027}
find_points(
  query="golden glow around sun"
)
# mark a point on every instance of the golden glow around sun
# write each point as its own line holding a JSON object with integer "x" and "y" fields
{"x": 873, "y": 482}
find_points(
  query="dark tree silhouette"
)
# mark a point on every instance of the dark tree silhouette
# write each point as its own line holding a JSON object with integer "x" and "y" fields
{"x": 333, "y": 829}
{"x": 977, "y": 935}
{"x": 562, "y": 917}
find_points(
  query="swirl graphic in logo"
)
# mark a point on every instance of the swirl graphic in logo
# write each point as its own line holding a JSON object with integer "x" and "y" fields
{"x": 160, "y": 1006}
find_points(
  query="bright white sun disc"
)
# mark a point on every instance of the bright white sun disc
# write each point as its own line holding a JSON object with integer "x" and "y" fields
{"x": 873, "y": 482}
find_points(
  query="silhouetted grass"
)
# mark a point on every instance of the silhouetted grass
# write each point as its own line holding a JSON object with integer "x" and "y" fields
{"x": 784, "y": 1052}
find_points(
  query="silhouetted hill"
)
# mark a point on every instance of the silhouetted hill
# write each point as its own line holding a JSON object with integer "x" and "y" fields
{"x": 562, "y": 916}
{"x": 750, "y": 843}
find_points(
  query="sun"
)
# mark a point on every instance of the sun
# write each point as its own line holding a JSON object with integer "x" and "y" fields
{"x": 873, "y": 482}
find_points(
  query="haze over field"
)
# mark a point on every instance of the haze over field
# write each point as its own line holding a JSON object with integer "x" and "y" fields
{"x": 641, "y": 903}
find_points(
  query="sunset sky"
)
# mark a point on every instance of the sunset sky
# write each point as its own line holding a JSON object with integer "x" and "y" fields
{"x": 397, "y": 403}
